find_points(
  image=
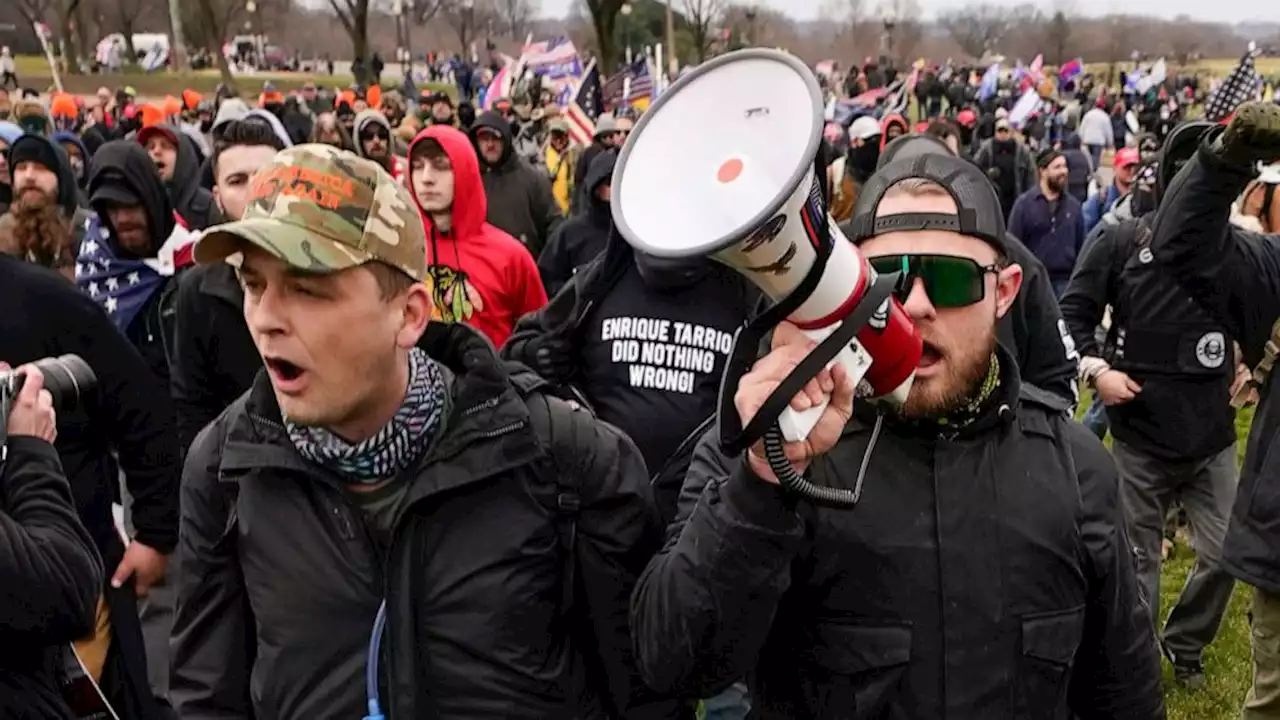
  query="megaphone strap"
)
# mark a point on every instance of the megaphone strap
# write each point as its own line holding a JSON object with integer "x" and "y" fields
{"x": 734, "y": 439}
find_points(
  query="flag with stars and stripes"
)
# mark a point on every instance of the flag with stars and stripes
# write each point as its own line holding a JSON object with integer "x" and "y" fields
{"x": 1240, "y": 86}
{"x": 122, "y": 286}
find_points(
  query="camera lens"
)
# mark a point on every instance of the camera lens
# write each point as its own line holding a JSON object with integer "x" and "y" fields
{"x": 68, "y": 378}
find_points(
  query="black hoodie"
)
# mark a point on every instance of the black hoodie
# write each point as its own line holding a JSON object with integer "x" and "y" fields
{"x": 192, "y": 202}
{"x": 584, "y": 236}
{"x": 520, "y": 199}
{"x": 123, "y": 170}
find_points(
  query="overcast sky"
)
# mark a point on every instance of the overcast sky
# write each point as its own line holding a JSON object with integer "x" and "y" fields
{"x": 1218, "y": 10}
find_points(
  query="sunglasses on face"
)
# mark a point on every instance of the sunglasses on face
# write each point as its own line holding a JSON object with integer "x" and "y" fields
{"x": 374, "y": 135}
{"x": 949, "y": 281}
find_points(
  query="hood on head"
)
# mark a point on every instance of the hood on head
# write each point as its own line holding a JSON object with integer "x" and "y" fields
{"x": 1071, "y": 141}
{"x": 492, "y": 120}
{"x": 363, "y": 118}
{"x": 64, "y": 136}
{"x": 276, "y": 126}
{"x": 230, "y": 109}
{"x": 888, "y": 121}
{"x": 49, "y": 152}
{"x": 470, "y": 206}
{"x": 186, "y": 167}
{"x": 600, "y": 172}
{"x": 123, "y": 171}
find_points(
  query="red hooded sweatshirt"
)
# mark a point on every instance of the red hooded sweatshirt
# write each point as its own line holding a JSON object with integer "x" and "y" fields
{"x": 498, "y": 276}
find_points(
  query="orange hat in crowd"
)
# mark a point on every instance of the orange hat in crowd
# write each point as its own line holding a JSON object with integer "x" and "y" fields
{"x": 373, "y": 96}
{"x": 172, "y": 105}
{"x": 190, "y": 99}
{"x": 63, "y": 105}
{"x": 152, "y": 115}
{"x": 347, "y": 96}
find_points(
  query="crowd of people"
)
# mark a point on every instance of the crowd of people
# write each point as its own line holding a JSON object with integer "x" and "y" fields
{"x": 402, "y": 426}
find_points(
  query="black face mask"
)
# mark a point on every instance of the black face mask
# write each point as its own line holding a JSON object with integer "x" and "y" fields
{"x": 671, "y": 273}
{"x": 206, "y": 125}
{"x": 863, "y": 159}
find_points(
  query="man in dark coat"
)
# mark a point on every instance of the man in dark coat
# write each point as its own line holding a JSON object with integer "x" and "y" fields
{"x": 520, "y": 199}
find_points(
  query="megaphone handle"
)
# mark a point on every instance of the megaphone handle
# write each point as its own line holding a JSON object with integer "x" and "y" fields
{"x": 797, "y": 424}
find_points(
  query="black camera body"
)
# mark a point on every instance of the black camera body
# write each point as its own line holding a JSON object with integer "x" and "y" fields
{"x": 68, "y": 378}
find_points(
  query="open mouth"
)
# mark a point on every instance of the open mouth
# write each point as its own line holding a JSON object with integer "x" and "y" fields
{"x": 283, "y": 372}
{"x": 929, "y": 355}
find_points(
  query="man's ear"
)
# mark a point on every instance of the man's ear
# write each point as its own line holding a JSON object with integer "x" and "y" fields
{"x": 217, "y": 200}
{"x": 1008, "y": 283}
{"x": 418, "y": 304}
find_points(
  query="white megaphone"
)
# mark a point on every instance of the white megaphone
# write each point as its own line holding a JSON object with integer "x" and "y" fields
{"x": 723, "y": 165}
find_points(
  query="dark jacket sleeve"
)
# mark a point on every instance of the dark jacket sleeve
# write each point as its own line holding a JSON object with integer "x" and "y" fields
{"x": 210, "y": 640}
{"x": 554, "y": 317}
{"x": 617, "y": 533}
{"x": 1233, "y": 273}
{"x": 44, "y": 550}
{"x": 1117, "y": 668}
{"x": 1092, "y": 288}
{"x": 136, "y": 413}
{"x": 1015, "y": 218}
{"x": 1027, "y": 174}
{"x": 705, "y": 604}
{"x": 191, "y": 377}
{"x": 554, "y": 263}
{"x": 1049, "y": 359}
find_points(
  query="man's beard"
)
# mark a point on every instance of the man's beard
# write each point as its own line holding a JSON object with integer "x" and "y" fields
{"x": 955, "y": 387}
{"x": 1057, "y": 184}
{"x": 39, "y": 233}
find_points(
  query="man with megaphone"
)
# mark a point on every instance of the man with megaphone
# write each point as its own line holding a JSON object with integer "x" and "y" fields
{"x": 956, "y": 549}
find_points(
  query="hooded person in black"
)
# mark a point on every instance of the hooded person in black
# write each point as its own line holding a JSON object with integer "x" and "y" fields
{"x": 135, "y": 223}
{"x": 177, "y": 159}
{"x": 520, "y": 199}
{"x": 44, "y": 224}
{"x": 582, "y": 237}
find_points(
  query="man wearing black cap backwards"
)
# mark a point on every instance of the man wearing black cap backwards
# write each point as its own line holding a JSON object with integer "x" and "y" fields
{"x": 985, "y": 572}
{"x": 1235, "y": 275}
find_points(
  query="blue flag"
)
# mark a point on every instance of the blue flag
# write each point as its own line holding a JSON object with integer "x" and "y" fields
{"x": 120, "y": 286}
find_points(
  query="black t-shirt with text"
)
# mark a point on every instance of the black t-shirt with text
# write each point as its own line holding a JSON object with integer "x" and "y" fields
{"x": 652, "y": 360}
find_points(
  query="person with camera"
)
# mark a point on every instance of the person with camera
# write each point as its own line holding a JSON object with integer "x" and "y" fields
{"x": 49, "y": 567}
{"x": 1234, "y": 275}
{"x": 127, "y": 425}
{"x": 984, "y": 572}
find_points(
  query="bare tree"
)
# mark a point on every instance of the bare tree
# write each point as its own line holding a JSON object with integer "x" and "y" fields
{"x": 467, "y": 17}
{"x": 515, "y": 16}
{"x": 908, "y": 30}
{"x": 976, "y": 28}
{"x": 1058, "y": 37}
{"x": 1184, "y": 38}
{"x": 354, "y": 16}
{"x": 213, "y": 23}
{"x": 604, "y": 20}
{"x": 126, "y": 14}
{"x": 702, "y": 17}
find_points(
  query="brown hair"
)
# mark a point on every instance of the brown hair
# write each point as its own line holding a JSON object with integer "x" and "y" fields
{"x": 35, "y": 231}
{"x": 392, "y": 281}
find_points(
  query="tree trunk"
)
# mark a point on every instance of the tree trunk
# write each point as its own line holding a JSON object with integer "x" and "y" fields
{"x": 604, "y": 23}
{"x": 131, "y": 55}
{"x": 213, "y": 34}
{"x": 71, "y": 48}
{"x": 360, "y": 39}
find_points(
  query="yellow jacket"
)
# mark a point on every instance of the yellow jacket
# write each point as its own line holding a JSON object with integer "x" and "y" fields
{"x": 560, "y": 170}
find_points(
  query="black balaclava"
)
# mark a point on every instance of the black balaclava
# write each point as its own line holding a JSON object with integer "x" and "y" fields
{"x": 862, "y": 161}
{"x": 672, "y": 273}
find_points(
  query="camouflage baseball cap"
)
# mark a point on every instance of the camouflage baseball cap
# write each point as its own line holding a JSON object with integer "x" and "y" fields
{"x": 322, "y": 209}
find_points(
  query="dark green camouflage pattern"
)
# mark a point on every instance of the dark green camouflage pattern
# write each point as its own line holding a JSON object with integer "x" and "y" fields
{"x": 322, "y": 209}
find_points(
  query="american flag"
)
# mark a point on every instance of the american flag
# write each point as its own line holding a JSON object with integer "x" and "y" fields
{"x": 635, "y": 82}
{"x": 122, "y": 286}
{"x": 585, "y": 108}
{"x": 1240, "y": 87}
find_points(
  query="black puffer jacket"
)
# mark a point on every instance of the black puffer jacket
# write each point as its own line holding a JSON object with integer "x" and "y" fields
{"x": 984, "y": 575}
{"x": 474, "y": 580}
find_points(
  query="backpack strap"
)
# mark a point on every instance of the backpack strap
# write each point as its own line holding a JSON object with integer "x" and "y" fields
{"x": 1259, "y": 376}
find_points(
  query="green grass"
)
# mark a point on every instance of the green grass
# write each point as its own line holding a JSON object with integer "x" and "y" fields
{"x": 1227, "y": 660}
{"x": 33, "y": 70}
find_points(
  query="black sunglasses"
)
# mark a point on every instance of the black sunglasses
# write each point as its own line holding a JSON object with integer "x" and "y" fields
{"x": 368, "y": 135}
{"x": 950, "y": 281}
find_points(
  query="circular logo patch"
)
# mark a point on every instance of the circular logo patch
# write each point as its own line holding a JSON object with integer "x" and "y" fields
{"x": 1211, "y": 350}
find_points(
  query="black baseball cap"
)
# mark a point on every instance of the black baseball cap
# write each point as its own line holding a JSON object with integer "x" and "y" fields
{"x": 978, "y": 208}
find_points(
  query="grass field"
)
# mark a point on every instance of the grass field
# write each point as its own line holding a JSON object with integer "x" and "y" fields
{"x": 1227, "y": 662}
{"x": 33, "y": 71}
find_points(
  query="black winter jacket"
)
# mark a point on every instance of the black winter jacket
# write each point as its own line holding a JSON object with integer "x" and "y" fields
{"x": 213, "y": 358}
{"x": 521, "y": 203}
{"x": 52, "y": 573}
{"x": 1235, "y": 275}
{"x": 474, "y": 580}
{"x": 983, "y": 575}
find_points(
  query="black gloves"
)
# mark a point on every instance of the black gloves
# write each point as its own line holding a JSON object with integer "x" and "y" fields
{"x": 552, "y": 358}
{"x": 1253, "y": 135}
